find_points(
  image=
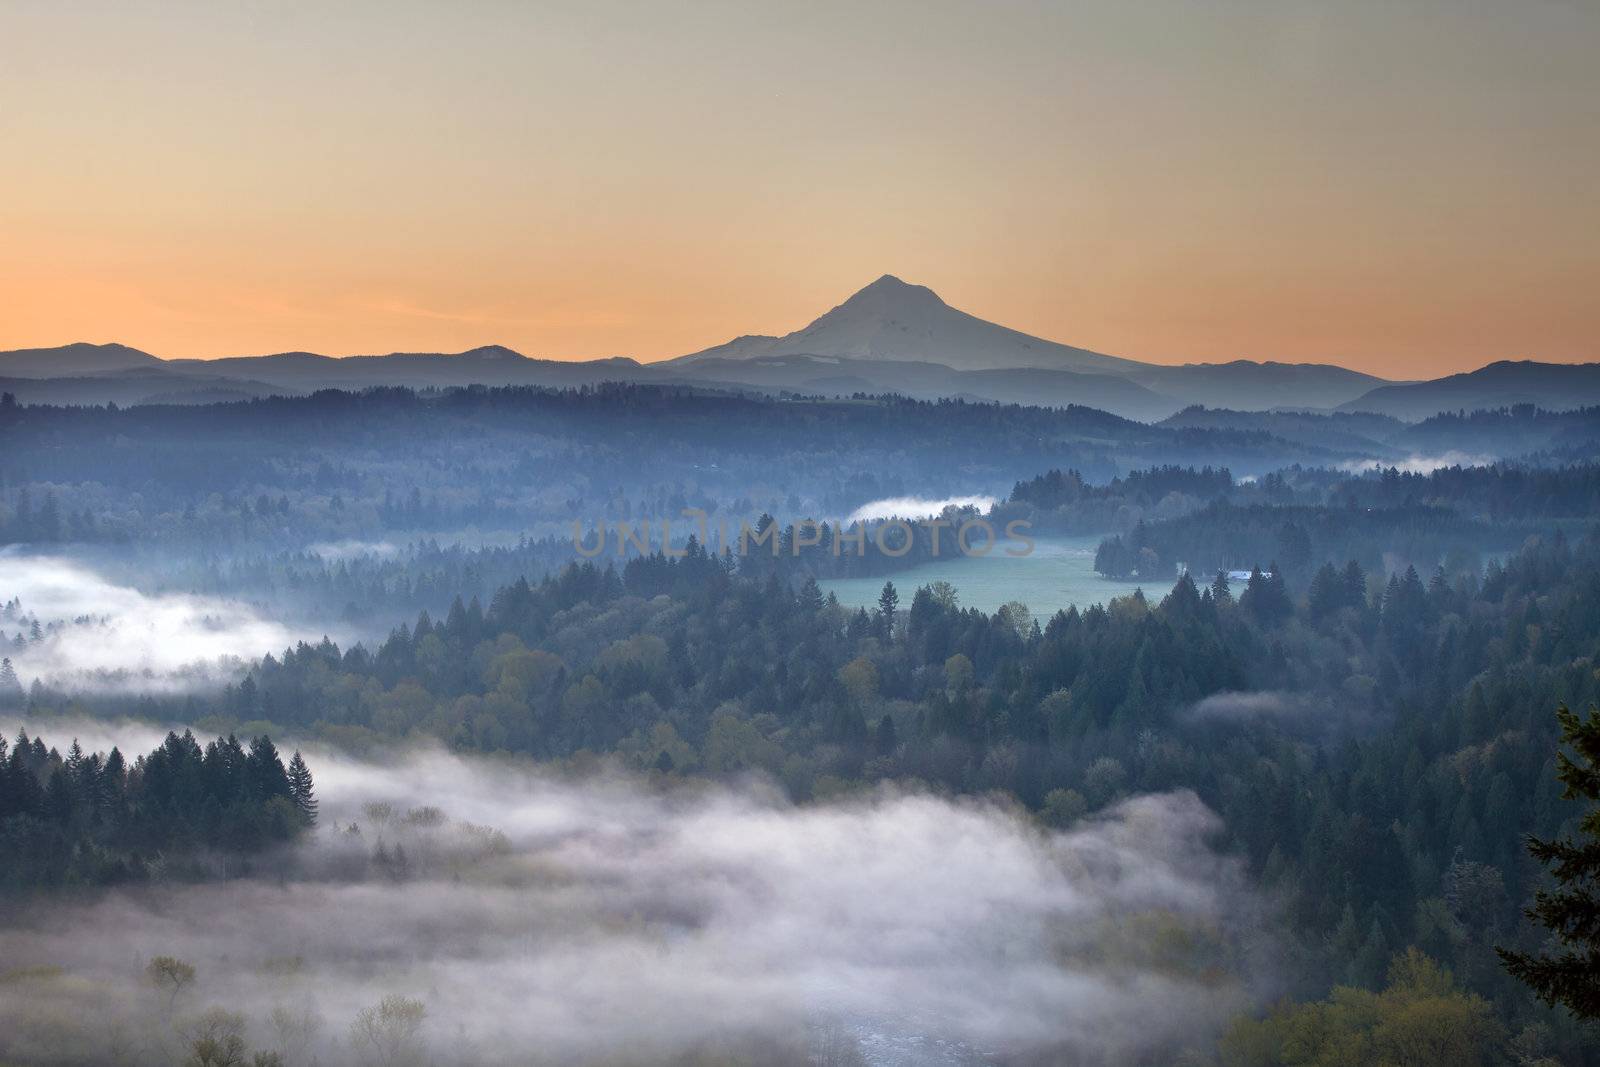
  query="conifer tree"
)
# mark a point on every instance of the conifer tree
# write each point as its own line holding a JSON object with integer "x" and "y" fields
{"x": 11, "y": 691}
{"x": 264, "y": 770}
{"x": 1326, "y": 594}
{"x": 888, "y": 604}
{"x": 1355, "y": 585}
{"x": 74, "y": 764}
{"x": 302, "y": 791}
{"x": 1571, "y": 976}
{"x": 810, "y": 596}
{"x": 113, "y": 779}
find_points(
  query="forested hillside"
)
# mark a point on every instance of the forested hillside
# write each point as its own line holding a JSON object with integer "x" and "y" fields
{"x": 1365, "y": 726}
{"x": 287, "y": 471}
{"x": 1376, "y": 750}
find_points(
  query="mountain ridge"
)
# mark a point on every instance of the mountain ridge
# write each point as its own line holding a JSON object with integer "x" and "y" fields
{"x": 1503, "y": 383}
{"x": 895, "y": 321}
{"x": 83, "y": 357}
{"x": 888, "y": 336}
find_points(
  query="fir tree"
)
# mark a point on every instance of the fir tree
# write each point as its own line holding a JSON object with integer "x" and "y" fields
{"x": 810, "y": 596}
{"x": 1326, "y": 595}
{"x": 1572, "y": 912}
{"x": 888, "y": 604}
{"x": 264, "y": 770}
{"x": 1355, "y": 585}
{"x": 11, "y": 691}
{"x": 302, "y": 791}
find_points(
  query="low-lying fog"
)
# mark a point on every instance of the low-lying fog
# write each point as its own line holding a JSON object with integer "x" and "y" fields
{"x": 916, "y": 507}
{"x": 94, "y": 634}
{"x": 550, "y": 919}
{"x": 1420, "y": 463}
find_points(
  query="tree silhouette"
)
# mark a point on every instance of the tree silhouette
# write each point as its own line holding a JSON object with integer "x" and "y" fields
{"x": 171, "y": 975}
{"x": 1571, "y": 976}
{"x": 888, "y": 604}
{"x": 302, "y": 790}
{"x": 10, "y": 685}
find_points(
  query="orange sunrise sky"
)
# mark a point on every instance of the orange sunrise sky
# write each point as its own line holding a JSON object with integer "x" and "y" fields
{"x": 1406, "y": 188}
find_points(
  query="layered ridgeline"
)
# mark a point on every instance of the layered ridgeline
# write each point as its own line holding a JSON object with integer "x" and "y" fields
{"x": 1296, "y": 521}
{"x": 340, "y": 466}
{"x": 404, "y": 465}
{"x": 890, "y": 337}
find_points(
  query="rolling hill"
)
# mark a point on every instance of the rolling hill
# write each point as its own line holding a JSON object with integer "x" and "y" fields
{"x": 75, "y": 360}
{"x": 1552, "y": 386}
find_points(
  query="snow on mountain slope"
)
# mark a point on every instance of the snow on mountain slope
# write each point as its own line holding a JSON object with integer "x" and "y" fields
{"x": 891, "y": 320}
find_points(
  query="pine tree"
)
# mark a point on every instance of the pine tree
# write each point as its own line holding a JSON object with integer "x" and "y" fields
{"x": 264, "y": 771}
{"x": 10, "y": 685}
{"x": 1279, "y": 605}
{"x": 26, "y": 795}
{"x": 1572, "y": 912}
{"x": 859, "y": 625}
{"x": 1326, "y": 595}
{"x": 1255, "y": 598}
{"x": 114, "y": 780}
{"x": 888, "y": 604}
{"x": 810, "y": 596}
{"x": 1355, "y": 585}
{"x": 302, "y": 791}
{"x": 74, "y": 765}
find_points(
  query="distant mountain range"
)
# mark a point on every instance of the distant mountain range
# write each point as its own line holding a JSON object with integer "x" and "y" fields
{"x": 889, "y": 337}
{"x": 1553, "y": 386}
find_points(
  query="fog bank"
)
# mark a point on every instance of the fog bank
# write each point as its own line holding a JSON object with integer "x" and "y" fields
{"x": 94, "y": 634}
{"x": 1420, "y": 463}
{"x": 548, "y": 919}
{"x": 916, "y": 507}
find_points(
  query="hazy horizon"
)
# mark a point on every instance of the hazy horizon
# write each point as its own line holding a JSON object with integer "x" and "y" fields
{"x": 1397, "y": 189}
{"x": 1102, "y": 581}
{"x": 776, "y": 332}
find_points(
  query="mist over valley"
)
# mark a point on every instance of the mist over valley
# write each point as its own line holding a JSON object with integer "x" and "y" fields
{"x": 917, "y": 534}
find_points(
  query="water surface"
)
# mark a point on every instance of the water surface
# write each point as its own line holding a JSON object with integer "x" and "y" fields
{"x": 1056, "y": 575}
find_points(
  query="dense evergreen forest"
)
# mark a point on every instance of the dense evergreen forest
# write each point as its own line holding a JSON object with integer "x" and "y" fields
{"x": 93, "y": 819}
{"x": 1510, "y": 430}
{"x": 336, "y": 465}
{"x": 494, "y": 571}
{"x": 284, "y": 472}
{"x": 1377, "y": 748}
{"x": 1453, "y": 516}
{"x": 1371, "y": 713}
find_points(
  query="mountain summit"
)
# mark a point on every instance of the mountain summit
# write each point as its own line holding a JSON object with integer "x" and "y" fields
{"x": 492, "y": 352}
{"x": 895, "y": 321}
{"x": 74, "y": 360}
{"x": 890, "y": 294}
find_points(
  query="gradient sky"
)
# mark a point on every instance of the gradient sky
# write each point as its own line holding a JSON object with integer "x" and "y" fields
{"x": 1405, "y": 187}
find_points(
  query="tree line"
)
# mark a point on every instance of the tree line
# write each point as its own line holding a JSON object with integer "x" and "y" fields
{"x": 91, "y": 818}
